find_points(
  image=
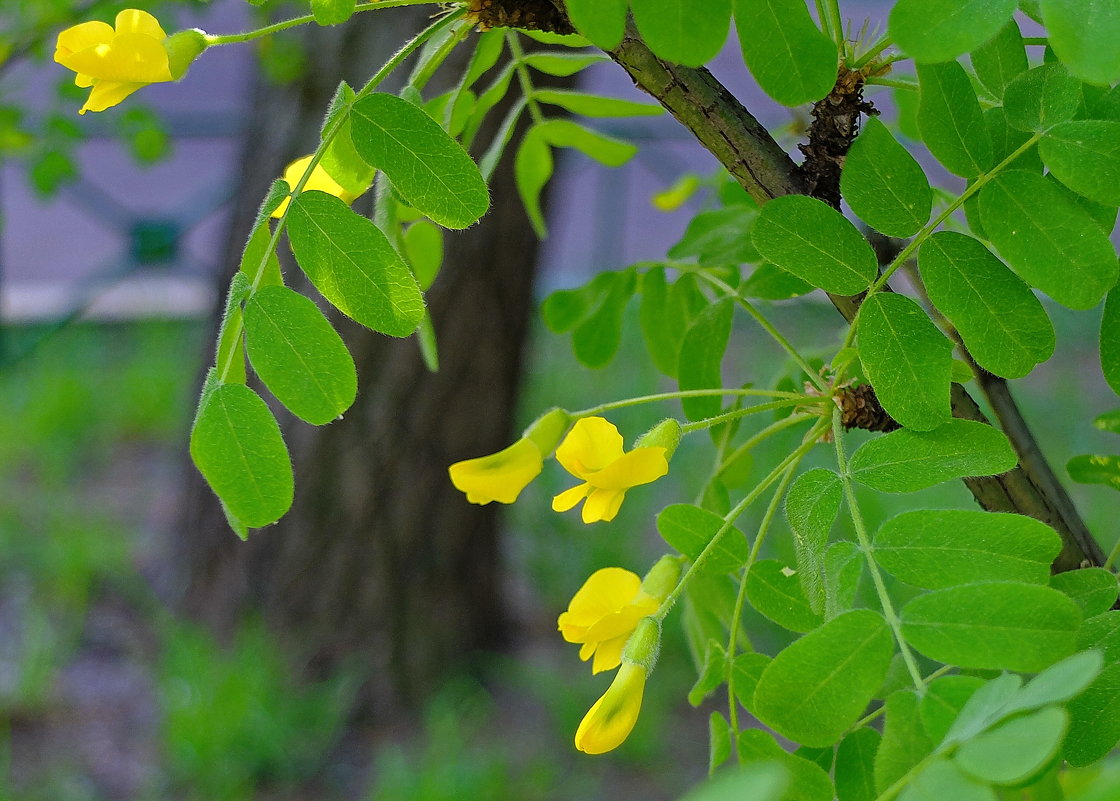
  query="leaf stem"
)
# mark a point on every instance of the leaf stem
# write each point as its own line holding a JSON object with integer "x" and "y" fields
{"x": 735, "y": 414}
{"x": 878, "y": 47}
{"x": 1115, "y": 552}
{"x": 868, "y": 551}
{"x": 523, "y": 79}
{"x": 766, "y": 433}
{"x": 212, "y": 40}
{"x": 687, "y": 393}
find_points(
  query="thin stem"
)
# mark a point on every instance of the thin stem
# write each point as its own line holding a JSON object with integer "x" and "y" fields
{"x": 768, "y": 327}
{"x": 884, "y": 42}
{"x": 233, "y": 38}
{"x": 523, "y": 79}
{"x": 895, "y": 83}
{"x": 1115, "y": 552}
{"x": 932, "y": 226}
{"x": 865, "y": 546}
{"x": 735, "y": 414}
{"x": 763, "y": 529}
{"x": 870, "y": 716}
{"x": 328, "y": 136}
{"x": 729, "y": 519}
{"x": 687, "y": 393}
{"x": 766, "y": 433}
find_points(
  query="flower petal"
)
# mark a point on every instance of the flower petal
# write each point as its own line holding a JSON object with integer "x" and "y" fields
{"x": 569, "y": 498}
{"x": 602, "y": 504}
{"x": 639, "y": 466}
{"x": 611, "y": 719}
{"x": 80, "y": 37}
{"x": 591, "y": 445}
{"x": 133, "y": 20}
{"x": 500, "y": 476}
{"x": 106, "y": 94}
{"x": 129, "y": 58}
{"x": 608, "y": 655}
{"x": 605, "y": 592}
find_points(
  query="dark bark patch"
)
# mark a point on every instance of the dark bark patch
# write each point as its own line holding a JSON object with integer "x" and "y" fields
{"x": 834, "y": 128}
{"x": 531, "y": 15}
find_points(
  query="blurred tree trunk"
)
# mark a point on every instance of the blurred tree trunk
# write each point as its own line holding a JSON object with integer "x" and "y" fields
{"x": 381, "y": 562}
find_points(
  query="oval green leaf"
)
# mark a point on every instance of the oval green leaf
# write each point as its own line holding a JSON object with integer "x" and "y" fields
{"x": 601, "y": 21}
{"x": 237, "y": 446}
{"x": 353, "y": 265}
{"x": 908, "y": 461}
{"x": 813, "y": 241}
{"x": 997, "y": 625}
{"x": 1095, "y": 469}
{"x": 1084, "y": 34}
{"x": 1085, "y": 156}
{"x": 935, "y": 30}
{"x": 816, "y": 688}
{"x": 1110, "y": 340}
{"x": 997, "y": 315}
{"x": 944, "y": 699}
{"x": 883, "y": 184}
{"x": 786, "y": 53}
{"x": 950, "y": 119}
{"x": 855, "y": 766}
{"x": 1000, "y": 59}
{"x": 1039, "y": 99}
{"x": 940, "y": 548}
{"x": 701, "y": 354}
{"x": 298, "y": 355}
{"x": 1093, "y": 589}
{"x": 941, "y": 779}
{"x": 1015, "y": 751}
{"x": 689, "y": 33}
{"x": 430, "y": 169}
{"x": 905, "y": 742}
{"x": 776, "y": 593}
{"x": 812, "y": 504}
{"x": 689, "y": 529}
{"x": 907, "y": 359}
{"x": 1047, "y": 239}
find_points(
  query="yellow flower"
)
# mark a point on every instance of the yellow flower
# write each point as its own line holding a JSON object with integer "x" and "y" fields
{"x": 115, "y": 60}
{"x": 592, "y": 451}
{"x": 500, "y": 476}
{"x": 603, "y": 614}
{"x": 611, "y": 719}
{"x": 319, "y": 180}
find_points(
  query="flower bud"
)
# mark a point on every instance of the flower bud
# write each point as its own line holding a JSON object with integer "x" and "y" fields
{"x": 183, "y": 48}
{"x": 662, "y": 577}
{"x": 546, "y": 430}
{"x": 666, "y": 434}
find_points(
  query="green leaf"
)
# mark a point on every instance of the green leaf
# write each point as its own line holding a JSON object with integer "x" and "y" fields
{"x": 1084, "y": 34}
{"x": 811, "y": 506}
{"x": 595, "y": 105}
{"x": 596, "y": 339}
{"x": 1039, "y": 99}
{"x": 907, "y": 461}
{"x": 941, "y": 780}
{"x": 883, "y": 184}
{"x": 1058, "y": 683}
{"x": 604, "y": 149}
{"x": 1015, "y": 751}
{"x": 1093, "y": 589}
{"x": 298, "y": 355}
{"x": 664, "y": 320}
{"x": 718, "y": 236}
{"x": 353, "y": 265}
{"x": 689, "y": 33}
{"x": 1110, "y": 340}
{"x": 984, "y": 708}
{"x": 332, "y": 12}
{"x": 256, "y": 251}
{"x": 746, "y": 670}
{"x": 997, "y": 625}
{"x": 950, "y": 119}
{"x": 231, "y": 344}
{"x": 1085, "y": 156}
{"x": 431, "y": 170}
{"x": 601, "y": 21}
{"x": 719, "y": 741}
{"x": 1109, "y": 421}
{"x": 777, "y": 595}
{"x": 1049, "y": 241}
{"x": 813, "y": 241}
{"x": 423, "y": 247}
{"x": 1005, "y": 141}
{"x": 843, "y": 568}
{"x": 905, "y": 742}
{"x": 1095, "y": 713}
{"x": 940, "y": 548}
{"x": 1000, "y": 59}
{"x": 808, "y": 781}
{"x": 786, "y": 53}
{"x": 701, "y": 354}
{"x": 760, "y": 781}
{"x": 532, "y": 167}
{"x": 855, "y": 766}
{"x": 997, "y": 315}
{"x": 907, "y": 359}
{"x": 712, "y": 675}
{"x": 934, "y": 30}
{"x": 236, "y": 445}
{"x": 770, "y": 282}
{"x": 689, "y": 529}
{"x": 1095, "y": 469}
{"x": 562, "y": 64}
{"x": 944, "y": 699}
{"x": 816, "y": 688}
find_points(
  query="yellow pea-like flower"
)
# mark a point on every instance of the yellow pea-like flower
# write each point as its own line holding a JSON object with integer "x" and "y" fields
{"x": 319, "y": 180}
{"x": 593, "y": 452}
{"x": 603, "y": 614}
{"x": 611, "y": 719}
{"x": 500, "y": 476}
{"x": 115, "y": 60}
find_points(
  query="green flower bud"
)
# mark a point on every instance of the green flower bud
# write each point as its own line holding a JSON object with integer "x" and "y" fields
{"x": 545, "y": 432}
{"x": 666, "y": 434}
{"x": 182, "y": 49}
{"x": 644, "y": 644}
{"x": 662, "y": 577}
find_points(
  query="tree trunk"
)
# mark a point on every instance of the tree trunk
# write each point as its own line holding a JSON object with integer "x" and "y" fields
{"x": 380, "y": 562}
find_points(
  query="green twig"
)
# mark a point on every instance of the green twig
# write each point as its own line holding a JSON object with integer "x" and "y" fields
{"x": 233, "y": 38}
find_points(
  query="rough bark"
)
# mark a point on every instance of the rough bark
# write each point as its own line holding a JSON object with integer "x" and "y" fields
{"x": 380, "y": 562}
